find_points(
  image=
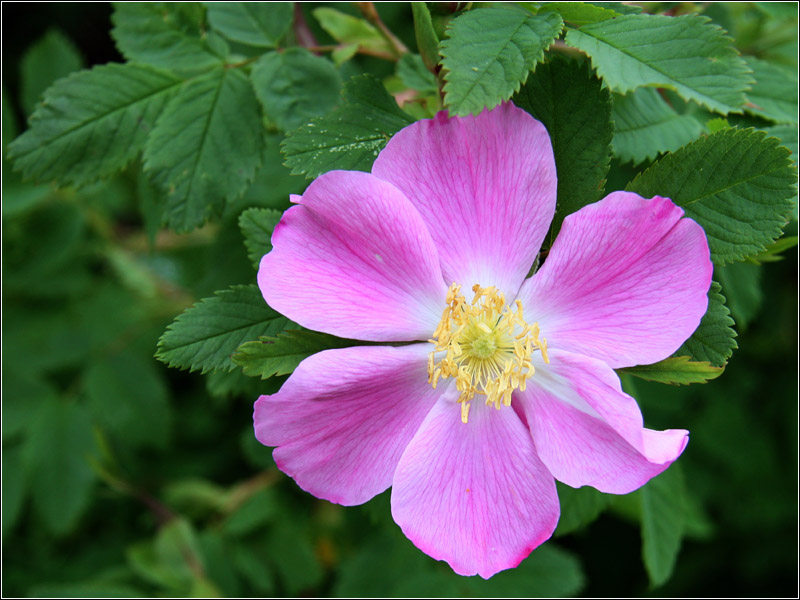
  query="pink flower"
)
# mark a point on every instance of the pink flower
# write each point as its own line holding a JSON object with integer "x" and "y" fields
{"x": 509, "y": 382}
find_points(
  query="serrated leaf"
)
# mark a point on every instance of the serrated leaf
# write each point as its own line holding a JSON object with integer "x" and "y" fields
{"x": 427, "y": 40}
{"x": 260, "y": 24}
{"x": 646, "y": 126}
{"x": 580, "y": 13}
{"x": 205, "y": 147}
{"x": 663, "y": 523}
{"x": 579, "y": 507}
{"x": 350, "y": 30}
{"x": 736, "y": 183}
{"x": 714, "y": 339}
{"x": 741, "y": 283}
{"x": 294, "y": 85}
{"x": 92, "y": 123}
{"x": 205, "y": 335}
{"x": 128, "y": 397}
{"x": 52, "y": 57}
{"x": 569, "y": 100}
{"x": 257, "y": 225}
{"x": 351, "y": 136}
{"x": 166, "y": 34}
{"x": 687, "y": 54}
{"x": 677, "y": 370}
{"x": 280, "y": 355}
{"x": 56, "y": 457}
{"x": 490, "y": 53}
{"x": 774, "y": 93}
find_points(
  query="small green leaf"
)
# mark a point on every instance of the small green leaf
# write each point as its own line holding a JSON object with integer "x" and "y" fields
{"x": 427, "y": 40}
{"x": 257, "y": 225}
{"x": 351, "y": 136}
{"x": 128, "y": 396}
{"x": 774, "y": 93}
{"x": 170, "y": 35}
{"x": 56, "y": 457}
{"x": 205, "y": 335}
{"x": 579, "y": 507}
{"x": 294, "y": 85}
{"x": 646, "y": 126}
{"x": 205, "y": 147}
{"x": 687, "y": 54}
{"x": 52, "y": 57}
{"x": 736, "y": 183}
{"x": 415, "y": 75}
{"x": 569, "y": 100}
{"x": 663, "y": 523}
{"x": 490, "y": 53}
{"x": 351, "y": 30}
{"x": 260, "y": 24}
{"x": 774, "y": 252}
{"x": 714, "y": 339}
{"x": 677, "y": 370}
{"x": 280, "y": 355}
{"x": 580, "y": 13}
{"x": 92, "y": 123}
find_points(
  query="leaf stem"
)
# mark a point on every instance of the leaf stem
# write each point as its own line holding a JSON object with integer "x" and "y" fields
{"x": 371, "y": 14}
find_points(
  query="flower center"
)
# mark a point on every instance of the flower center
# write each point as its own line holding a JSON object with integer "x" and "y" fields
{"x": 487, "y": 345}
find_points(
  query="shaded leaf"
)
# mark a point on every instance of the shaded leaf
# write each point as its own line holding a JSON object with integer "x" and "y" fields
{"x": 774, "y": 93}
{"x": 688, "y": 54}
{"x": 415, "y": 75}
{"x": 714, "y": 339}
{"x": 427, "y": 40}
{"x": 351, "y": 136}
{"x": 257, "y": 225}
{"x": 260, "y": 24}
{"x": 580, "y": 13}
{"x": 204, "y": 336}
{"x": 579, "y": 507}
{"x": 569, "y": 100}
{"x": 646, "y": 126}
{"x": 205, "y": 147}
{"x": 677, "y": 370}
{"x": 663, "y": 523}
{"x": 52, "y": 57}
{"x": 294, "y": 85}
{"x": 489, "y": 54}
{"x": 741, "y": 283}
{"x": 736, "y": 183}
{"x": 15, "y": 485}
{"x": 92, "y": 123}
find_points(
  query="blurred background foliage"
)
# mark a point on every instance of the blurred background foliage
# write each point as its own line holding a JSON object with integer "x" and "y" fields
{"x": 124, "y": 478}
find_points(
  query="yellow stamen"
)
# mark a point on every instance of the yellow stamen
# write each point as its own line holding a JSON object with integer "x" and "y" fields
{"x": 488, "y": 347}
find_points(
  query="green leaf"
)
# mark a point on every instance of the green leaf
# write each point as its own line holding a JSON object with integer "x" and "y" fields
{"x": 280, "y": 355}
{"x": 569, "y": 100}
{"x": 166, "y": 34}
{"x": 205, "y": 335}
{"x": 260, "y": 24}
{"x": 427, "y": 40}
{"x": 774, "y": 93}
{"x": 56, "y": 457}
{"x": 351, "y": 136}
{"x": 736, "y": 183}
{"x": 741, "y": 283}
{"x": 415, "y": 75}
{"x": 351, "y": 30}
{"x": 52, "y": 57}
{"x": 255, "y": 512}
{"x": 774, "y": 252}
{"x": 257, "y": 225}
{"x": 663, "y": 523}
{"x": 677, "y": 370}
{"x": 646, "y": 126}
{"x": 292, "y": 552}
{"x": 128, "y": 396}
{"x": 490, "y": 53}
{"x": 294, "y": 85}
{"x": 252, "y": 562}
{"x": 714, "y": 339}
{"x": 580, "y": 13}
{"x": 205, "y": 147}
{"x": 579, "y": 507}
{"x": 15, "y": 485}
{"x": 687, "y": 54}
{"x": 92, "y": 123}
{"x": 23, "y": 395}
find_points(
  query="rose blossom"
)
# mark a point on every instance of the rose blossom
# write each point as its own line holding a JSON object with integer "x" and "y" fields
{"x": 508, "y": 382}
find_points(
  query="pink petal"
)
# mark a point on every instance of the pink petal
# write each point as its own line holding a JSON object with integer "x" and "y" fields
{"x": 625, "y": 281}
{"x": 344, "y": 417}
{"x": 354, "y": 259}
{"x": 475, "y": 494}
{"x": 485, "y": 186}
{"x": 588, "y": 431}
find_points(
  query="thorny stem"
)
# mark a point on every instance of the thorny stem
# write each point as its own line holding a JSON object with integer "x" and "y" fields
{"x": 370, "y": 14}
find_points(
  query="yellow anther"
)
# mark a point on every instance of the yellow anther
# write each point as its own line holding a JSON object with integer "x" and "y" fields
{"x": 487, "y": 345}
